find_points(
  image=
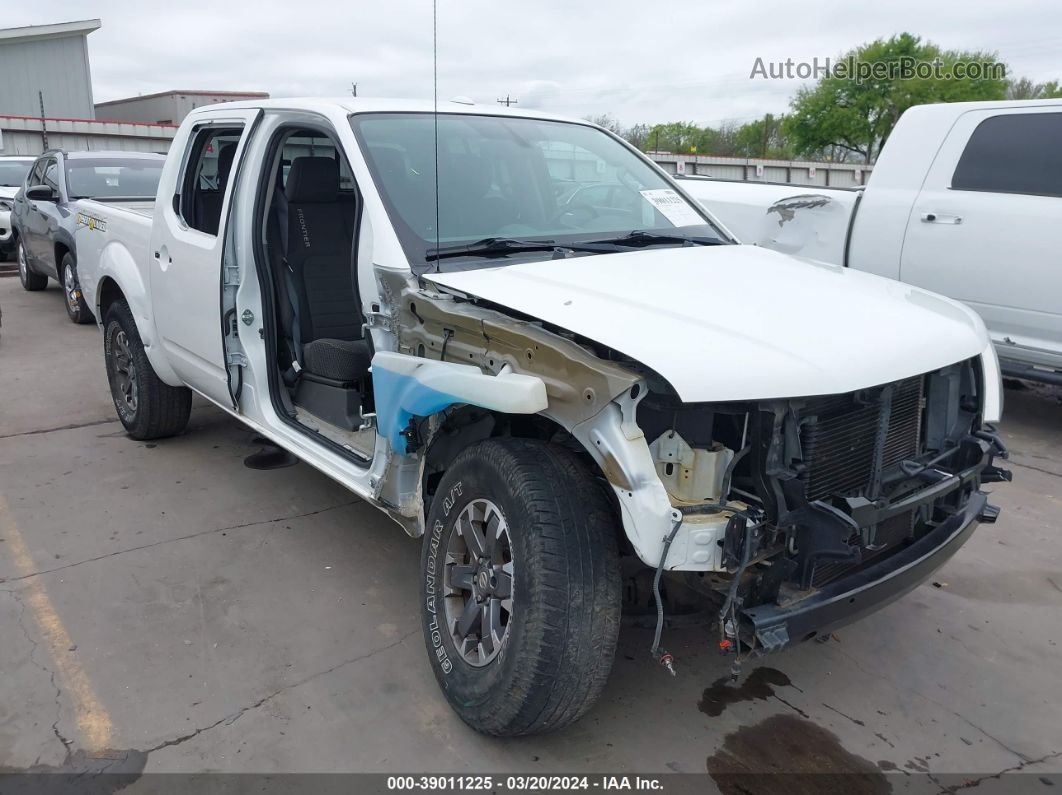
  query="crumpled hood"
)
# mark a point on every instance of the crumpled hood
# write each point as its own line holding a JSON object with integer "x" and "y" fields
{"x": 738, "y": 322}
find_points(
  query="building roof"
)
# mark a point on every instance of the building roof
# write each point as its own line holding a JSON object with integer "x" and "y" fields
{"x": 81, "y": 27}
{"x": 195, "y": 93}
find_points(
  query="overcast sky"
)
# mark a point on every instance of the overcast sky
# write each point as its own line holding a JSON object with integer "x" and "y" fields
{"x": 639, "y": 60}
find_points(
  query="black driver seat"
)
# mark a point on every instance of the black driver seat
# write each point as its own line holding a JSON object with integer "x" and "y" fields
{"x": 326, "y": 318}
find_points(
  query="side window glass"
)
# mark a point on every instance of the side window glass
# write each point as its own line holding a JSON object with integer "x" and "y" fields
{"x": 1013, "y": 153}
{"x": 36, "y": 174}
{"x": 206, "y": 177}
{"x": 50, "y": 175}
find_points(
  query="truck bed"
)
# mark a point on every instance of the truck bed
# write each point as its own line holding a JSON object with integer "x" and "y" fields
{"x": 803, "y": 220}
{"x": 144, "y": 207}
{"x": 109, "y": 234}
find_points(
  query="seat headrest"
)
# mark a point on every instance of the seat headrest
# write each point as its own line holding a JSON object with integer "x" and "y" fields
{"x": 313, "y": 179}
{"x": 225, "y": 156}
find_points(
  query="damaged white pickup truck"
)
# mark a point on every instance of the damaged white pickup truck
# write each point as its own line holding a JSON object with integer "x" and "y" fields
{"x": 521, "y": 340}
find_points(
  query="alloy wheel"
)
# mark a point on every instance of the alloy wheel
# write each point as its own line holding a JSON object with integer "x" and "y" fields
{"x": 479, "y": 582}
{"x": 73, "y": 293}
{"x": 125, "y": 372}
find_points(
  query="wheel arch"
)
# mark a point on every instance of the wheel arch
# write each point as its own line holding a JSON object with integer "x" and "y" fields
{"x": 467, "y": 425}
{"x": 111, "y": 287}
{"x": 60, "y": 248}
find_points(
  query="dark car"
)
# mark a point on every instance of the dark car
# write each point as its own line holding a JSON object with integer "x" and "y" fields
{"x": 45, "y": 215}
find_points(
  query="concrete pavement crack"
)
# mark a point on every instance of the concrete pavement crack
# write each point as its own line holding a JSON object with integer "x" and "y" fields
{"x": 1041, "y": 470}
{"x": 51, "y": 674}
{"x": 976, "y": 782}
{"x": 232, "y": 717}
{"x": 179, "y": 538}
{"x": 70, "y": 427}
{"x": 944, "y": 707}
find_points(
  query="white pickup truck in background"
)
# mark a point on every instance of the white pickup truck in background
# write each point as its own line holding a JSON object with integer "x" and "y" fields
{"x": 540, "y": 389}
{"x": 965, "y": 200}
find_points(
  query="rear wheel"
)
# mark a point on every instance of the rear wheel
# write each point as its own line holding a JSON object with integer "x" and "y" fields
{"x": 521, "y": 587}
{"x": 30, "y": 280}
{"x": 147, "y": 407}
{"x": 76, "y": 308}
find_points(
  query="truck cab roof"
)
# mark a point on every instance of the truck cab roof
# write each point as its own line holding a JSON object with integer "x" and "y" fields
{"x": 348, "y": 105}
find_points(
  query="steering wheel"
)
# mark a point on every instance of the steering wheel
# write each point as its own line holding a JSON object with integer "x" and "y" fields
{"x": 575, "y": 216}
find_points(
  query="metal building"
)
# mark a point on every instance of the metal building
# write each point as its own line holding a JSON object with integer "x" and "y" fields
{"x": 168, "y": 107}
{"x": 50, "y": 61}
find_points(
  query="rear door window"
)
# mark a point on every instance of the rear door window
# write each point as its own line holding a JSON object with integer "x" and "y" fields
{"x": 206, "y": 177}
{"x": 1013, "y": 153}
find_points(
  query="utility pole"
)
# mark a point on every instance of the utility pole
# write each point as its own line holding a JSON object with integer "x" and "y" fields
{"x": 507, "y": 101}
{"x": 353, "y": 89}
{"x": 44, "y": 123}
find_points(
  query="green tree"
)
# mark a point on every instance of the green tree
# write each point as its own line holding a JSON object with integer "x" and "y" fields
{"x": 856, "y": 112}
{"x": 637, "y": 135}
{"x": 606, "y": 120}
{"x": 764, "y": 138}
{"x": 679, "y": 137}
{"x": 1025, "y": 88}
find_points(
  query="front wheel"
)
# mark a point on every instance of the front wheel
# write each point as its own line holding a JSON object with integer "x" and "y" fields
{"x": 76, "y": 308}
{"x": 521, "y": 587}
{"x": 147, "y": 407}
{"x": 30, "y": 281}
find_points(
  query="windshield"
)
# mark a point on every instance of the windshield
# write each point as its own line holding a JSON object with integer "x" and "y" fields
{"x": 515, "y": 179}
{"x": 13, "y": 172}
{"x": 113, "y": 178}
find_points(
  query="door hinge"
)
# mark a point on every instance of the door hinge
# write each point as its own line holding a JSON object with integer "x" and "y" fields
{"x": 236, "y": 359}
{"x": 232, "y": 275}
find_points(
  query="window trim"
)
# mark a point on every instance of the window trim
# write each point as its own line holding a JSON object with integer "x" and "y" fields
{"x": 193, "y": 157}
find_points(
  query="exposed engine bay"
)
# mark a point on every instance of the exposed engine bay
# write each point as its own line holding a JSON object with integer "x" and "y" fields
{"x": 799, "y": 494}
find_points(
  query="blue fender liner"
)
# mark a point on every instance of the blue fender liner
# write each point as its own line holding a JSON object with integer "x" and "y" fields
{"x": 407, "y": 386}
{"x": 399, "y": 398}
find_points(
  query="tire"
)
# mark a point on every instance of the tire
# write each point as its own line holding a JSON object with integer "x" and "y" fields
{"x": 76, "y": 308}
{"x": 30, "y": 281}
{"x": 148, "y": 408}
{"x": 553, "y": 648}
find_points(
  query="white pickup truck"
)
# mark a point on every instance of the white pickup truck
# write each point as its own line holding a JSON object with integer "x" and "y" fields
{"x": 965, "y": 200}
{"x": 403, "y": 298}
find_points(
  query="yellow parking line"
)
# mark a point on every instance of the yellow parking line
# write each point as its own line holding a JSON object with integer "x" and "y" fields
{"x": 93, "y": 723}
